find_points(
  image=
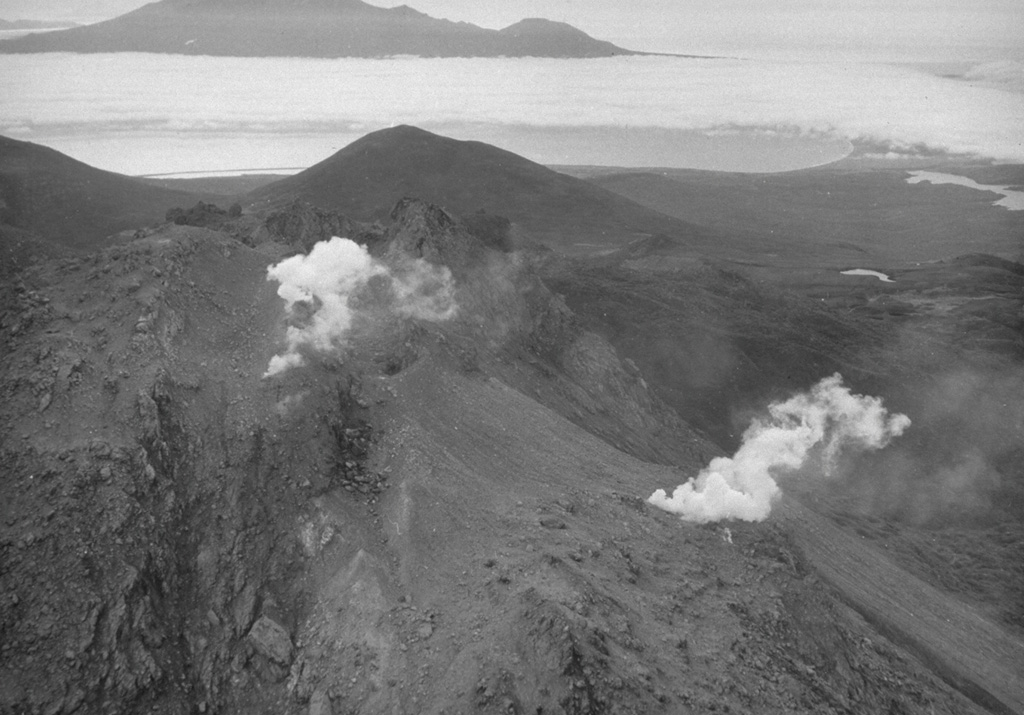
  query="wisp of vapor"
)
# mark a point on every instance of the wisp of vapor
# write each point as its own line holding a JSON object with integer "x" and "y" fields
{"x": 828, "y": 418}
{"x": 324, "y": 281}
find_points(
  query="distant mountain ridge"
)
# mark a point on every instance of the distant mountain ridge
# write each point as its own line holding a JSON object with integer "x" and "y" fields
{"x": 314, "y": 28}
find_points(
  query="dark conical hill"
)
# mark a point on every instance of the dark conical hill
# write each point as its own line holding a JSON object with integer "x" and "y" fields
{"x": 467, "y": 177}
{"x": 70, "y": 203}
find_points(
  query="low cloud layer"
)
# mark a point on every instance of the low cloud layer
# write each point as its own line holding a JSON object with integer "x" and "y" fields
{"x": 60, "y": 97}
{"x": 319, "y": 289}
{"x": 822, "y": 422}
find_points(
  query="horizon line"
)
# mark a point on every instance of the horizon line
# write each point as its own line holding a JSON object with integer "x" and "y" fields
{"x": 218, "y": 172}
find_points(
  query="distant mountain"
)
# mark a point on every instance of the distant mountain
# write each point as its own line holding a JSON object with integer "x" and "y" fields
{"x": 368, "y": 176}
{"x": 313, "y": 28}
{"x": 70, "y": 203}
{"x": 35, "y": 24}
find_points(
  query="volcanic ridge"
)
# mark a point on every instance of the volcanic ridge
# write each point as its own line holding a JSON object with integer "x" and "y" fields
{"x": 380, "y": 437}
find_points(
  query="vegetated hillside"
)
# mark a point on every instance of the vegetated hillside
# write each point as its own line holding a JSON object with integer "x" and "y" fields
{"x": 837, "y": 214}
{"x": 71, "y": 204}
{"x": 321, "y": 28}
{"x": 469, "y": 177}
{"x": 943, "y": 342}
{"x": 941, "y": 345}
{"x": 948, "y": 322}
{"x": 423, "y": 518}
{"x": 714, "y": 343}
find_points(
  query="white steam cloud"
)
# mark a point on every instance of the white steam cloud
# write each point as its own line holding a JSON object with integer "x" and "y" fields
{"x": 318, "y": 289}
{"x": 828, "y": 417}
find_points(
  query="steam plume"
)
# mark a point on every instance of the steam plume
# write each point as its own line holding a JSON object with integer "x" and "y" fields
{"x": 317, "y": 289}
{"x": 743, "y": 487}
{"x": 423, "y": 291}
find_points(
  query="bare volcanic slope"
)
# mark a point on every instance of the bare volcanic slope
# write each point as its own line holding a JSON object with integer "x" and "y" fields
{"x": 314, "y": 28}
{"x": 469, "y": 177}
{"x": 421, "y": 518}
{"x": 71, "y": 204}
{"x": 977, "y": 655}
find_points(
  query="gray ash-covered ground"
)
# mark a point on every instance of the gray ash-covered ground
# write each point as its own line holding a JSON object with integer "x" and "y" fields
{"x": 436, "y": 517}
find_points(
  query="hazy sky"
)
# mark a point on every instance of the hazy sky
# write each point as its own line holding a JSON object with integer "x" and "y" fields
{"x": 938, "y": 30}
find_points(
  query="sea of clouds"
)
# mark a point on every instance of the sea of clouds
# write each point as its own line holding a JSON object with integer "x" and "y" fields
{"x": 304, "y": 106}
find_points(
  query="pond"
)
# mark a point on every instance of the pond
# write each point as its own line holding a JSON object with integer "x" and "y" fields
{"x": 1012, "y": 199}
{"x": 866, "y": 272}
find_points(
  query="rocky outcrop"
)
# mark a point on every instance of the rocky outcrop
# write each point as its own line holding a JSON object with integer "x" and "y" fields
{"x": 302, "y": 225}
{"x": 204, "y": 215}
{"x": 272, "y": 641}
{"x": 141, "y": 559}
{"x": 423, "y": 230}
{"x": 507, "y": 312}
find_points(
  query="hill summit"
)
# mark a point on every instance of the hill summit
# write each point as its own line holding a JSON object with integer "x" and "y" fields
{"x": 316, "y": 28}
{"x": 50, "y": 202}
{"x": 474, "y": 179}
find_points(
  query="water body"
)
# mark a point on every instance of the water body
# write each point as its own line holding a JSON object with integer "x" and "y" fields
{"x": 142, "y": 113}
{"x": 1012, "y": 198}
{"x": 866, "y": 272}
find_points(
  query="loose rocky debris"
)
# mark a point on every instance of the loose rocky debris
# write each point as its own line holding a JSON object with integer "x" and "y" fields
{"x": 272, "y": 641}
{"x": 203, "y": 215}
{"x": 353, "y": 438}
{"x": 178, "y": 535}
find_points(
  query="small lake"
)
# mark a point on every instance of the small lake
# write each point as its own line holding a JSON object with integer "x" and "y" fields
{"x": 865, "y": 272}
{"x": 1012, "y": 199}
